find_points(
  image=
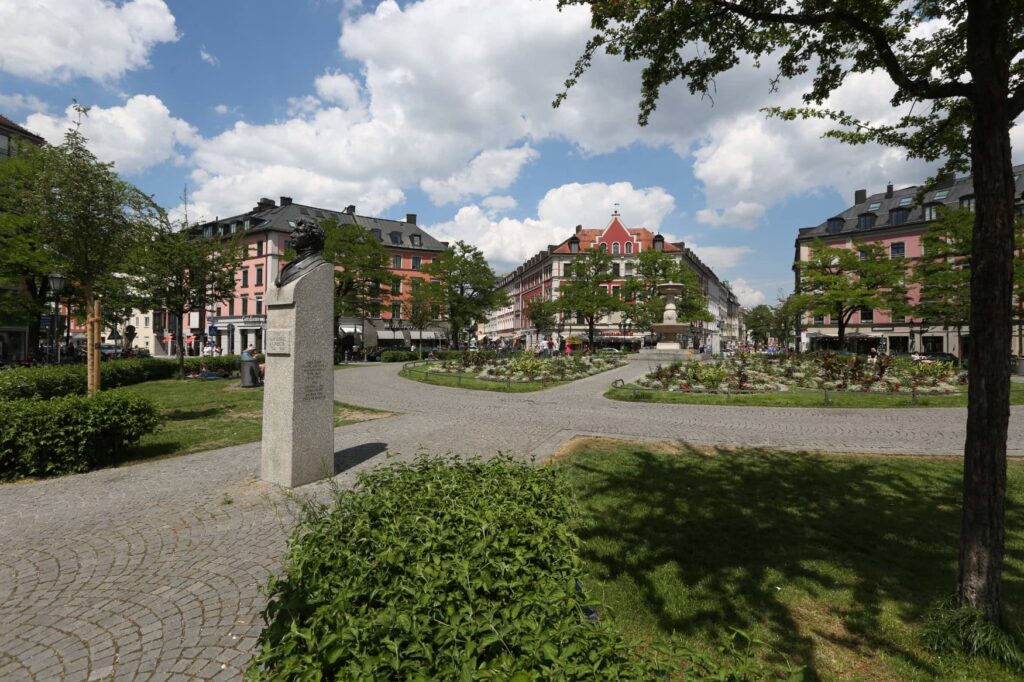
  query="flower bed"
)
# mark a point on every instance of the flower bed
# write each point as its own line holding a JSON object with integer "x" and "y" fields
{"x": 525, "y": 367}
{"x": 828, "y": 371}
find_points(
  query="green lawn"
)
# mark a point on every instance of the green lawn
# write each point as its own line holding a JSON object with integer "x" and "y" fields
{"x": 801, "y": 397}
{"x": 830, "y": 559}
{"x": 205, "y": 415}
{"x": 469, "y": 380}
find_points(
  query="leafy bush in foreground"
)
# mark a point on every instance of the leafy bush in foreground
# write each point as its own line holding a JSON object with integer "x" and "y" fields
{"x": 71, "y": 434}
{"x": 440, "y": 569}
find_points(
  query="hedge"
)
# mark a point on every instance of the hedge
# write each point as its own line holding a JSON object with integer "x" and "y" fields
{"x": 440, "y": 569}
{"x": 398, "y": 356}
{"x": 71, "y": 434}
{"x": 61, "y": 380}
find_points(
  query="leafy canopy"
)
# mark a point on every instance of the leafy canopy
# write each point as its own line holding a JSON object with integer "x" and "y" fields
{"x": 468, "y": 283}
{"x": 644, "y": 306}
{"x": 585, "y": 289}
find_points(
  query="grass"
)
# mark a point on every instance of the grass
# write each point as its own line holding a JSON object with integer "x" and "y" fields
{"x": 469, "y": 380}
{"x": 800, "y": 397}
{"x": 205, "y": 415}
{"x": 832, "y": 560}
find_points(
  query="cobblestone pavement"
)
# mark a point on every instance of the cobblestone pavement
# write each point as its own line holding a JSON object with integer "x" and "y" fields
{"x": 152, "y": 571}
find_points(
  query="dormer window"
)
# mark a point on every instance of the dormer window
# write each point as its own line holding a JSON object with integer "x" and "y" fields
{"x": 875, "y": 205}
{"x": 835, "y": 225}
{"x": 574, "y": 245}
{"x": 931, "y": 212}
{"x": 967, "y": 202}
{"x": 416, "y": 240}
{"x": 907, "y": 200}
{"x": 897, "y": 216}
{"x": 396, "y": 237}
{"x": 865, "y": 221}
{"x": 377, "y": 234}
{"x": 659, "y": 243}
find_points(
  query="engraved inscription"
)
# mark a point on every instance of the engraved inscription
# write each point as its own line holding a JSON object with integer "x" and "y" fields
{"x": 279, "y": 342}
{"x": 313, "y": 373}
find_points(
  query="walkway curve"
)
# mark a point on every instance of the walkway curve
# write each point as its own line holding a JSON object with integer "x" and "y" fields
{"x": 152, "y": 571}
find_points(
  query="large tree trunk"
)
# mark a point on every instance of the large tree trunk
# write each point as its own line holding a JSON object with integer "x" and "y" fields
{"x": 984, "y": 500}
{"x": 841, "y": 324}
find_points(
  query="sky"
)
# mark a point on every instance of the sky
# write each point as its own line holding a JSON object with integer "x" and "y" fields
{"x": 442, "y": 108}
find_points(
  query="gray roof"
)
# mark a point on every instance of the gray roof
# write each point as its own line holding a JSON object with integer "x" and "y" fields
{"x": 275, "y": 218}
{"x": 946, "y": 193}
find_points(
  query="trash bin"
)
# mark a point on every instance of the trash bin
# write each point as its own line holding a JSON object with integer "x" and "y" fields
{"x": 250, "y": 373}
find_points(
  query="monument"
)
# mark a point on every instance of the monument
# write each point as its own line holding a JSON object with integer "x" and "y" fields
{"x": 668, "y": 329}
{"x": 298, "y": 394}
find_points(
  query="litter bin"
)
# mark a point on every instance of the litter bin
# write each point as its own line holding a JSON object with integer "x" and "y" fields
{"x": 250, "y": 373}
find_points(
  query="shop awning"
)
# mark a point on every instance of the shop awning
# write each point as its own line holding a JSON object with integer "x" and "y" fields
{"x": 388, "y": 334}
{"x": 426, "y": 335}
{"x": 349, "y": 329}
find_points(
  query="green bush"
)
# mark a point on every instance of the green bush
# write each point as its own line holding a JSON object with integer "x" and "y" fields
{"x": 440, "y": 569}
{"x": 62, "y": 380}
{"x": 70, "y": 434}
{"x": 398, "y": 356}
{"x": 951, "y": 629}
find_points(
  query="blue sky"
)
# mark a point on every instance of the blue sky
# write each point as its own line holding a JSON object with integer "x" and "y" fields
{"x": 440, "y": 108}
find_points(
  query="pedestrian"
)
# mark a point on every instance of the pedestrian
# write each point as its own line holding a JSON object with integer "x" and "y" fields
{"x": 568, "y": 350}
{"x": 249, "y": 353}
{"x": 218, "y": 351}
{"x": 873, "y": 355}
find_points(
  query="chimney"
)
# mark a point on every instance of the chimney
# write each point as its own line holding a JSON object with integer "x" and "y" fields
{"x": 350, "y": 209}
{"x": 410, "y": 218}
{"x": 286, "y": 201}
{"x": 579, "y": 228}
{"x": 888, "y": 191}
{"x": 860, "y": 196}
{"x": 264, "y": 203}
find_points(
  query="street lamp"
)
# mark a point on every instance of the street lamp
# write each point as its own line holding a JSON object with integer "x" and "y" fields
{"x": 57, "y": 282}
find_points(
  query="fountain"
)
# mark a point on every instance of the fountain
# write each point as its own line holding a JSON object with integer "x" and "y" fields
{"x": 668, "y": 329}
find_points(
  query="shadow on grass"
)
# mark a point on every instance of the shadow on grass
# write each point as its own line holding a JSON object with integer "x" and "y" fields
{"x": 712, "y": 541}
{"x": 350, "y": 457}
{"x": 188, "y": 415}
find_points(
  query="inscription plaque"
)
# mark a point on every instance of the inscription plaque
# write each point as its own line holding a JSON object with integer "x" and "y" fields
{"x": 313, "y": 371}
{"x": 279, "y": 342}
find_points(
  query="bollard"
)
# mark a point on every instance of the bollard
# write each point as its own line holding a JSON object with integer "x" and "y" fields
{"x": 826, "y": 397}
{"x": 913, "y": 395}
{"x": 460, "y": 378}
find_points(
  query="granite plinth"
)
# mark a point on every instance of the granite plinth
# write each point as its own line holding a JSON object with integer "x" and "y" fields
{"x": 298, "y": 394}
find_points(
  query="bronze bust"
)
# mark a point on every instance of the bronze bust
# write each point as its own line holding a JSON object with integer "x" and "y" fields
{"x": 308, "y": 240}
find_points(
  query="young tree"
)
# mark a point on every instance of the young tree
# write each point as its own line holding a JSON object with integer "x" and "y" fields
{"x": 643, "y": 306}
{"x": 363, "y": 282}
{"x": 182, "y": 271}
{"x": 943, "y": 272}
{"x": 838, "y": 281}
{"x": 542, "y": 314}
{"x": 584, "y": 292}
{"x": 959, "y": 63}
{"x": 788, "y": 315}
{"x": 468, "y": 284}
{"x": 760, "y": 322}
{"x": 423, "y": 306}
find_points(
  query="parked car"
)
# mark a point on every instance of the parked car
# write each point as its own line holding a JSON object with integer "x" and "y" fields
{"x": 109, "y": 351}
{"x": 611, "y": 351}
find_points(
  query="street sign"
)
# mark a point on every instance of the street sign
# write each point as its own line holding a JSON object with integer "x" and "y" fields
{"x": 114, "y": 336}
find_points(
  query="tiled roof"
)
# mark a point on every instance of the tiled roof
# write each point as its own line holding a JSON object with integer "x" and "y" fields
{"x": 947, "y": 194}
{"x": 589, "y": 236}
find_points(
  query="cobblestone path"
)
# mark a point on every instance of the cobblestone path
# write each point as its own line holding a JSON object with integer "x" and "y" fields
{"x": 152, "y": 571}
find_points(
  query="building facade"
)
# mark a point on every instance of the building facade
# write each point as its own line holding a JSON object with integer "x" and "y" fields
{"x": 265, "y": 233}
{"x": 896, "y": 220}
{"x": 543, "y": 274}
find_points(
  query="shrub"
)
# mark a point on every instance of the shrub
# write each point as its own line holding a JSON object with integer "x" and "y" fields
{"x": 70, "y": 434}
{"x": 398, "y": 356}
{"x": 962, "y": 630}
{"x": 439, "y": 569}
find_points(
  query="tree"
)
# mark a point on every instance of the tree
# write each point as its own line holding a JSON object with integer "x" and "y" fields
{"x": 788, "y": 315}
{"x": 643, "y": 306}
{"x": 542, "y": 314}
{"x": 960, "y": 84}
{"x": 183, "y": 271}
{"x": 363, "y": 282}
{"x": 760, "y": 322}
{"x": 838, "y": 281}
{"x": 584, "y": 291}
{"x": 468, "y": 284}
{"x": 423, "y": 306}
{"x": 943, "y": 272}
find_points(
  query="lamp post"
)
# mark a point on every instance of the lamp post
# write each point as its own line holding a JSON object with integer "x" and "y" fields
{"x": 57, "y": 282}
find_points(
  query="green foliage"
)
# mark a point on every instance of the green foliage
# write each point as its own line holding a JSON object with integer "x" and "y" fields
{"x": 363, "y": 281}
{"x": 468, "y": 283}
{"x": 71, "y": 434}
{"x": 440, "y": 569}
{"x": 63, "y": 380}
{"x": 643, "y": 306}
{"x": 398, "y": 356}
{"x": 952, "y": 629}
{"x": 760, "y": 321}
{"x": 423, "y": 306}
{"x": 542, "y": 314}
{"x": 584, "y": 291}
{"x": 737, "y": 659}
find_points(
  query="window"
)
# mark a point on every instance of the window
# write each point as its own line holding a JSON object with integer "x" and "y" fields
{"x": 396, "y": 237}
{"x": 259, "y": 305}
{"x": 574, "y": 245}
{"x": 287, "y": 244}
{"x": 932, "y": 344}
{"x": 416, "y": 240}
{"x": 615, "y": 269}
{"x": 629, "y": 247}
{"x": 865, "y": 221}
{"x": 217, "y": 311}
{"x": 231, "y": 308}
{"x": 245, "y": 277}
{"x": 245, "y": 306}
{"x": 867, "y": 315}
{"x": 396, "y": 287}
{"x": 396, "y": 311}
{"x": 615, "y": 248}
{"x": 819, "y": 319}
{"x": 145, "y": 321}
{"x": 377, "y": 233}
{"x": 259, "y": 248}
{"x": 629, "y": 270}
{"x": 967, "y": 202}
{"x": 259, "y": 275}
{"x": 396, "y": 262}
{"x": 931, "y": 212}
{"x": 941, "y": 194}
{"x": 416, "y": 260}
{"x": 897, "y": 250}
{"x": 907, "y": 200}
{"x": 864, "y": 254}
{"x": 897, "y": 216}
{"x": 604, "y": 247}
{"x": 875, "y": 205}
{"x": 291, "y": 224}
{"x": 835, "y": 225}
{"x": 617, "y": 291}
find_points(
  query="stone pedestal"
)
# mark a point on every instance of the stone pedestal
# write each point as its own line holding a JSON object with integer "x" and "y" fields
{"x": 298, "y": 394}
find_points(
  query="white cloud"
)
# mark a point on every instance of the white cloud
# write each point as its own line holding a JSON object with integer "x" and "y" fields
{"x": 720, "y": 258}
{"x": 208, "y": 57}
{"x": 338, "y": 88}
{"x": 490, "y": 170}
{"x": 592, "y": 205}
{"x": 224, "y": 109}
{"x": 54, "y": 40}
{"x": 499, "y": 204}
{"x": 747, "y": 295}
{"x": 743, "y": 215}
{"x": 12, "y": 103}
{"x": 301, "y": 107}
{"x": 136, "y": 136}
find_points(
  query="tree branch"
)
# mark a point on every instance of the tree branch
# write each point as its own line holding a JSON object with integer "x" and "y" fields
{"x": 921, "y": 88}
